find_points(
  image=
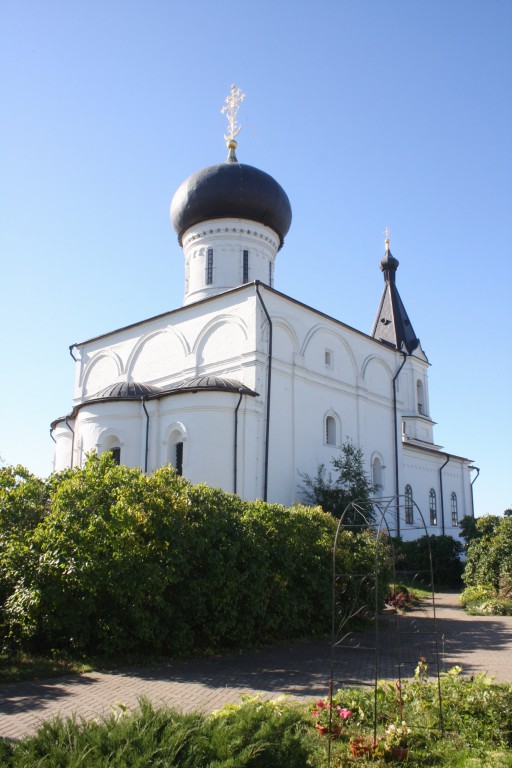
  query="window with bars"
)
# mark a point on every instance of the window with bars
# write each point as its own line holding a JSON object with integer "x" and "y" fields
{"x": 116, "y": 455}
{"x": 409, "y": 509}
{"x": 432, "y": 503}
{"x": 209, "y": 267}
{"x": 245, "y": 269}
{"x": 454, "y": 508}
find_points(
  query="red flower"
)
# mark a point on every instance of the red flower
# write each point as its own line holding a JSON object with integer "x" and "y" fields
{"x": 344, "y": 713}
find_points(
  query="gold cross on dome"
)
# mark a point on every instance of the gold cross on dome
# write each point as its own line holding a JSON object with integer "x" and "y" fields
{"x": 230, "y": 109}
{"x": 386, "y": 241}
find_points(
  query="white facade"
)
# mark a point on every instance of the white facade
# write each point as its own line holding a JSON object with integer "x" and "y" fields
{"x": 244, "y": 388}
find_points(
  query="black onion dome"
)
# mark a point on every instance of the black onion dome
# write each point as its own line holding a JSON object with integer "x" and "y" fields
{"x": 231, "y": 190}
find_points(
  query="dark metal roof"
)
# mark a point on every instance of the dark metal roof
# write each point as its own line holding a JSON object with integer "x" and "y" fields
{"x": 392, "y": 325}
{"x": 135, "y": 391}
{"x": 125, "y": 390}
{"x": 217, "y": 383}
{"x": 231, "y": 190}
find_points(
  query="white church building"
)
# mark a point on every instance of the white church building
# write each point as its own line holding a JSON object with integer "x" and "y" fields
{"x": 243, "y": 387}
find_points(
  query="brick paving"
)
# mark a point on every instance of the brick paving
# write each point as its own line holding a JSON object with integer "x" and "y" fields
{"x": 299, "y": 670}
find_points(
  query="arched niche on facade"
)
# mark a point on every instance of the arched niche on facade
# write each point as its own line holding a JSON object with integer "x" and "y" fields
{"x": 104, "y": 369}
{"x": 285, "y": 344}
{"x": 157, "y": 353}
{"x": 222, "y": 339}
{"x": 342, "y": 361}
{"x": 377, "y": 376}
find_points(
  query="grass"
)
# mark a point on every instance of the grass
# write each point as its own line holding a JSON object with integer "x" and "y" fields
{"x": 24, "y": 667}
{"x": 15, "y": 669}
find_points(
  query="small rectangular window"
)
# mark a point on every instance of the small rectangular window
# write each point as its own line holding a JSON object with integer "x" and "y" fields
{"x": 245, "y": 277}
{"x": 270, "y": 273}
{"x": 116, "y": 455}
{"x": 209, "y": 267}
{"x": 179, "y": 458}
{"x": 328, "y": 358}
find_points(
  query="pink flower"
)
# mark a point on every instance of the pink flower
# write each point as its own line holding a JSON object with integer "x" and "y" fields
{"x": 344, "y": 713}
{"x": 320, "y": 704}
{"x": 315, "y": 713}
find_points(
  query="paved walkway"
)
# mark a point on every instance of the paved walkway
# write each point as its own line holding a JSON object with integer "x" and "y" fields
{"x": 300, "y": 670}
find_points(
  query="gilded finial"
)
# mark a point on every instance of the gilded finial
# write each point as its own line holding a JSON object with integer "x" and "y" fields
{"x": 386, "y": 241}
{"x": 230, "y": 109}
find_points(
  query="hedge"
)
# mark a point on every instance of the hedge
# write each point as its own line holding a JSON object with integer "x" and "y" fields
{"x": 107, "y": 560}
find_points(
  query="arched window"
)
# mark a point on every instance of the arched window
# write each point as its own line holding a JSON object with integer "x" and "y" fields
{"x": 454, "y": 508}
{"x": 112, "y": 444}
{"x": 432, "y": 503}
{"x": 377, "y": 473}
{"x": 330, "y": 431}
{"x": 409, "y": 509}
{"x": 420, "y": 397}
{"x": 176, "y": 447}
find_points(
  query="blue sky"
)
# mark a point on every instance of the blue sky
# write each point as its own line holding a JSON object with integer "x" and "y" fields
{"x": 370, "y": 113}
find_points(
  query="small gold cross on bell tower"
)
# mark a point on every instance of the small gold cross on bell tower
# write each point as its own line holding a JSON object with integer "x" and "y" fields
{"x": 386, "y": 241}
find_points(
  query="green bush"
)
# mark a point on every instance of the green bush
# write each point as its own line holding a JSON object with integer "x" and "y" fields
{"x": 413, "y": 557}
{"x": 256, "y": 734}
{"x": 107, "y": 560}
{"x": 473, "y": 596}
{"x": 489, "y": 555}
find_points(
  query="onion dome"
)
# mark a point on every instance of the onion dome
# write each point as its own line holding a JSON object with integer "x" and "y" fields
{"x": 389, "y": 264}
{"x": 231, "y": 190}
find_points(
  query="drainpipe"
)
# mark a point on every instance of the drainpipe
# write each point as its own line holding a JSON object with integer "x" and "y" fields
{"x": 441, "y": 487}
{"x": 147, "y": 434}
{"x": 54, "y": 440}
{"x": 235, "y": 446}
{"x": 397, "y": 487}
{"x": 269, "y": 380}
{"x": 471, "y": 488}
{"x": 71, "y": 351}
{"x": 72, "y": 440}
